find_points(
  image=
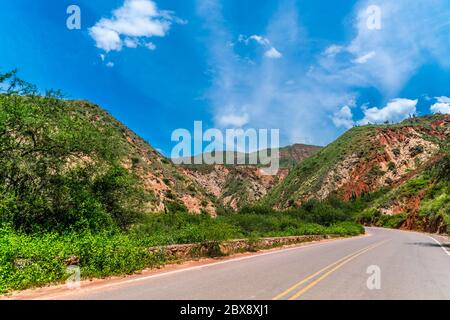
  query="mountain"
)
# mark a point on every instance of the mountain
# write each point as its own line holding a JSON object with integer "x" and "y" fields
{"x": 367, "y": 159}
{"x": 289, "y": 155}
{"x": 235, "y": 186}
{"x": 292, "y": 155}
{"x": 157, "y": 174}
{"x": 197, "y": 187}
{"x": 63, "y": 160}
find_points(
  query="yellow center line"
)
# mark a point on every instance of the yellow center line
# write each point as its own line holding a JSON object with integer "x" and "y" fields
{"x": 295, "y": 286}
{"x": 315, "y": 282}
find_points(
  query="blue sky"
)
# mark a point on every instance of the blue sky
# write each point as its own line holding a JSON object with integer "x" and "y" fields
{"x": 309, "y": 68}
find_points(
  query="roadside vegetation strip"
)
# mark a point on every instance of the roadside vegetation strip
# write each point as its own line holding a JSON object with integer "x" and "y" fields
{"x": 333, "y": 266}
{"x": 173, "y": 268}
{"x": 33, "y": 260}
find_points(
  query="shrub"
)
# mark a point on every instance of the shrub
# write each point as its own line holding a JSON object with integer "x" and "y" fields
{"x": 375, "y": 172}
{"x": 373, "y": 217}
{"x": 391, "y": 166}
{"x": 175, "y": 206}
{"x": 416, "y": 150}
{"x": 396, "y": 152}
{"x": 32, "y": 260}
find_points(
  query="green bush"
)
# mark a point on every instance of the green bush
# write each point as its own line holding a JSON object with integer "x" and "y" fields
{"x": 415, "y": 185}
{"x": 373, "y": 217}
{"x": 392, "y": 221}
{"x": 33, "y": 260}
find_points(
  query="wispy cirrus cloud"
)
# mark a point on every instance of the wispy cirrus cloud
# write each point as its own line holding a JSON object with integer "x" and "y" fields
{"x": 412, "y": 34}
{"x": 365, "y": 57}
{"x": 305, "y": 97}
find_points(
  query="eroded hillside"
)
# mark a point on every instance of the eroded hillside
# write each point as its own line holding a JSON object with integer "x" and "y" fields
{"x": 364, "y": 160}
{"x": 235, "y": 186}
{"x": 168, "y": 185}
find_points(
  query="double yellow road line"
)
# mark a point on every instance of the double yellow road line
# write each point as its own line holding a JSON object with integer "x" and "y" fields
{"x": 323, "y": 273}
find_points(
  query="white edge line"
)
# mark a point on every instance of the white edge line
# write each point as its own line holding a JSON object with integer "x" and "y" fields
{"x": 124, "y": 282}
{"x": 440, "y": 245}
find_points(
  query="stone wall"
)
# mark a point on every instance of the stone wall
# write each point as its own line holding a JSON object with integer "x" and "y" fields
{"x": 215, "y": 249}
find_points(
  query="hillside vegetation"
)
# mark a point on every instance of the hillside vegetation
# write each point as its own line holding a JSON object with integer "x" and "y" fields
{"x": 399, "y": 158}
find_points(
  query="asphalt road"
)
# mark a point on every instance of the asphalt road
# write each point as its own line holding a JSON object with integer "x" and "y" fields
{"x": 396, "y": 264}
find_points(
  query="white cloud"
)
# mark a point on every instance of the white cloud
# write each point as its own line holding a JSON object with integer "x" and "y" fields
{"x": 395, "y": 111}
{"x": 441, "y": 106}
{"x": 343, "y": 118}
{"x": 109, "y": 64}
{"x": 273, "y": 53}
{"x": 365, "y": 58}
{"x": 150, "y": 46}
{"x": 233, "y": 120}
{"x": 333, "y": 50}
{"x": 131, "y": 42}
{"x": 257, "y": 38}
{"x": 260, "y": 39}
{"x": 135, "y": 20}
{"x": 106, "y": 39}
{"x": 443, "y": 99}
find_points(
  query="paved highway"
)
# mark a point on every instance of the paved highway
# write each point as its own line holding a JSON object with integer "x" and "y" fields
{"x": 386, "y": 264}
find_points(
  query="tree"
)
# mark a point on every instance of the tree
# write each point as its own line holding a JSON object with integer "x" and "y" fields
{"x": 60, "y": 169}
